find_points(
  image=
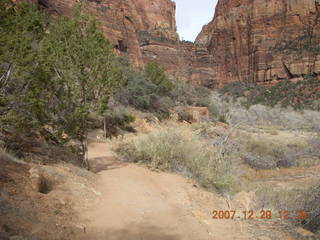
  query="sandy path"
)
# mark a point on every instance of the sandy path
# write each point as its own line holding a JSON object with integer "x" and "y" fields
{"x": 139, "y": 204}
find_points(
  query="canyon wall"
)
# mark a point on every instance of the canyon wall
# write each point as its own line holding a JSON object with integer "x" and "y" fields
{"x": 144, "y": 31}
{"x": 263, "y": 41}
{"x": 260, "y": 41}
{"x": 124, "y": 21}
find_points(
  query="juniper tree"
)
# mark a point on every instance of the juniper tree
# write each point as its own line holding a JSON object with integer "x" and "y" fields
{"x": 85, "y": 72}
{"x": 157, "y": 75}
{"x": 21, "y": 84}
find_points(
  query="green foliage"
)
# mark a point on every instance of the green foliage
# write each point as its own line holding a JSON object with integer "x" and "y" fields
{"x": 23, "y": 85}
{"x": 52, "y": 79}
{"x": 186, "y": 94}
{"x": 222, "y": 118}
{"x": 304, "y": 94}
{"x": 84, "y": 69}
{"x": 118, "y": 120}
{"x": 156, "y": 74}
{"x": 138, "y": 92}
{"x": 158, "y": 95}
{"x": 146, "y": 93}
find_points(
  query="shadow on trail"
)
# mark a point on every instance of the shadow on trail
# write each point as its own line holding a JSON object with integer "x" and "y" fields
{"x": 105, "y": 163}
{"x": 132, "y": 232}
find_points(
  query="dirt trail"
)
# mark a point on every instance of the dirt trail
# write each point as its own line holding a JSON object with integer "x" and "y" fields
{"x": 139, "y": 204}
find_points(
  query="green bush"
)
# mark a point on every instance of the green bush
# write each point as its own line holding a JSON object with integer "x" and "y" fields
{"x": 186, "y": 94}
{"x": 145, "y": 94}
{"x": 117, "y": 120}
{"x": 156, "y": 74}
{"x": 304, "y": 94}
{"x": 222, "y": 118}
{"x": 50, "y": 85}
{"x": 138, "y": 92}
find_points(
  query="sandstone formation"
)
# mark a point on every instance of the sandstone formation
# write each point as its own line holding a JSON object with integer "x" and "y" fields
{"x": 144, "y": 31}
{"x": 263, "y": 41}
{"x": 125, "y": 22}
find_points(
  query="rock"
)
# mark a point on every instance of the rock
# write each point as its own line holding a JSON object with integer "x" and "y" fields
{"x": 128, "y": 24}
{"x": 244, "y": 38}
{"x": 192, "y": 114}
{"x": 198, "y": 114}
{"x": 37, "y": 180}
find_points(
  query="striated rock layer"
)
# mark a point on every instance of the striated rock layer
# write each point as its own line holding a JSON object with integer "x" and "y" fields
{"x": 144, "y": 31}
{"x": 124, "y": 21}
{"x": 263, "y": 41}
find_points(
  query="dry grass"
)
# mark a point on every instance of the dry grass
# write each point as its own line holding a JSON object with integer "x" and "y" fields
{"x": 267, "y": 162}
{"x": 273, "y": 132}
{"x": 262, "y": 116}
{"x": 177, "y": 148}
{"x": 276, "y": 173}
{"x": 6, "y": 155}
{"x": 264, "y": 150}
{"x": 293, "y": 200}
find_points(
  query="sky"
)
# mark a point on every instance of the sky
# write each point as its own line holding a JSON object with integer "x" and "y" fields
{"x": 192, "y": 15}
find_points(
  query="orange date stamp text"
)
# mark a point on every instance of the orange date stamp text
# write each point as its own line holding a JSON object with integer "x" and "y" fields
{"x": 298, "y": 215}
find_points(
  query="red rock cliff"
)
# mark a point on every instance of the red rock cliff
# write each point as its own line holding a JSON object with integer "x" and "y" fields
{"x": 145, "y": 31}
{"x": 123, "y": 21}
{"x": 263, "y": 41}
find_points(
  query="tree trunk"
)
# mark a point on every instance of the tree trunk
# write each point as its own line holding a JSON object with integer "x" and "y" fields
{"x": 85, "y": 153}
{"x": 105, "y": 127}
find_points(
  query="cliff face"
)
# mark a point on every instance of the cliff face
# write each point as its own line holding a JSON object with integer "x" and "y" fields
{"x": 144, "y": 31}
{"x": 123, "y": 21}
{"x": 263, "y": 41}
{"x": 260, "y": 41}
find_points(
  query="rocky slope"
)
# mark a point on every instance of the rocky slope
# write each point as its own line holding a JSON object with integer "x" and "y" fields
{"x": 263, "y": 40}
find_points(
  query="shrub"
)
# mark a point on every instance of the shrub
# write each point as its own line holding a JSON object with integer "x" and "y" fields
{"x": 309, "y": 201}
{"x": 314, "y": 146}
{"x": 5, "y": 155}
{"x": 260, "y": 153}
{"x": 293, "y": 200}
{"x": 222, "y": 118}
{"x": 156, "y": 74}
{"x": 259, "y": 162}
{"x": 262, "y": 116}
{"x": 144, "y": 94}
{"x": 186, "y": 94}
{"x": 138, "y": 92}
{"x": 51, "y": 85}
{"x": 117, "y": 120}
{"x": 301, "y": 95}
{"x": 177, "y": 148}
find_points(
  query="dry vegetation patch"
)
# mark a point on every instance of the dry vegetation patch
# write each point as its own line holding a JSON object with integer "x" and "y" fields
{"x": 176, "y": 147}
